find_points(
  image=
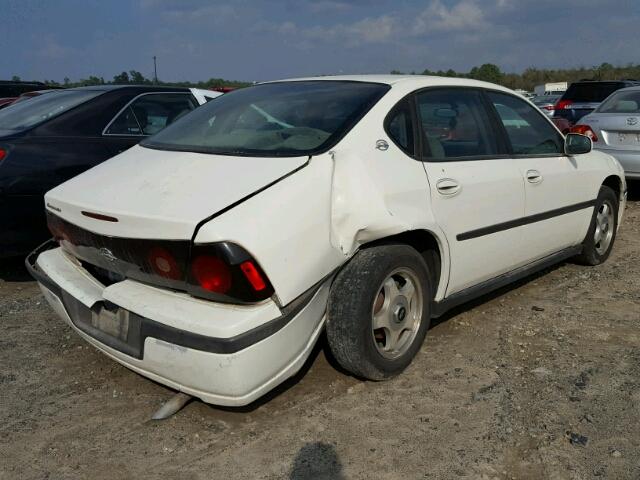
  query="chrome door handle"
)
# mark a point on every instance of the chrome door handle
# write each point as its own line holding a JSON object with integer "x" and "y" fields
{"x": 448, "y": 186}
{"x": 534, "y": 176}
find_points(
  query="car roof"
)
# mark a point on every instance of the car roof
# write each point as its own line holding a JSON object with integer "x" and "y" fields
{"x": 629, "y": 89}
{"x": 626, "y": 81}
{"x": 412, "y": 81}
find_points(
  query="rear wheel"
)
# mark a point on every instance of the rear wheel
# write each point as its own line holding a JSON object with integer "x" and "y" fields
{"x": 602, "y": 231}
{"x": 379, "y": 311}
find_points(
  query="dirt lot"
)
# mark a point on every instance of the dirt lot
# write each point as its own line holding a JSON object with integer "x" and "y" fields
{"x": 539, "y": 381}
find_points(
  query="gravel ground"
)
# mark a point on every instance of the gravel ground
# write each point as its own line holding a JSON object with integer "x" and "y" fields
{"x": 538, "y": 381}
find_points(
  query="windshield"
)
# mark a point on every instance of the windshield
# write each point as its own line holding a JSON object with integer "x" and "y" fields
{"x": 23, "y": 115}
{"x": 622, "y": 102}
{"x": 273, "y": 119}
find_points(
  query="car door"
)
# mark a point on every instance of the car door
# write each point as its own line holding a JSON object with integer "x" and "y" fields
{"x": 476, "y": 189}
{"x": 556, "y": 200}
{"x": 145, "y": 115}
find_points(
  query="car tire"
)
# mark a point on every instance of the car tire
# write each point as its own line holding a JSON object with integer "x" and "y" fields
{"x": 601, "y": 235}
{"x": 379, "y": 310}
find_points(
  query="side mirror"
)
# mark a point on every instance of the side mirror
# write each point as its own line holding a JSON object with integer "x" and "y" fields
{"x": 576, "y": 144}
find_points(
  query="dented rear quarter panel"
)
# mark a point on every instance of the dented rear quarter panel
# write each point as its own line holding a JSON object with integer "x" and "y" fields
{"x": 307, "y": 225}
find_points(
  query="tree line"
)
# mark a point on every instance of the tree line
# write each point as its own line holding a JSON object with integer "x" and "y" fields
{"x": 488, "y": 72}
{"x": 532, "y": 76}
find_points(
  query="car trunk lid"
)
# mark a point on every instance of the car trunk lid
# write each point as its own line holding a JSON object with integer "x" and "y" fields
{"x": 617, "y": 130}
{"x": 157, "y": 194}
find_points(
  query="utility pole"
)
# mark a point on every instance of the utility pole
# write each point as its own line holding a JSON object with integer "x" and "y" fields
{"x": 155, "y": 71}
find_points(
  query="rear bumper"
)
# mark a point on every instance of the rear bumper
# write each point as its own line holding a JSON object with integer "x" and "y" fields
{"x": 221, "y": 354}
{"x": 629, "y": 160}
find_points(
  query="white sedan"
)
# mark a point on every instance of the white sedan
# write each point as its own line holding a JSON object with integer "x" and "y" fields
{"x": 212, "y": 256}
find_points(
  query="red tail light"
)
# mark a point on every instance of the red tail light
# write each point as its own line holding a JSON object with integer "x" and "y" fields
{"x": 212, "y": 274}
{"x": 584, "y": 130}
{"x": 549, "y": 108}
{"x": 563, "y": 104}
{"x": 253, "y": 275}
{"x": 226, "y": 272}
{"x": 3, "y": 153}
{"x": 222, "y": 272}
{"x": 164, "y": 264}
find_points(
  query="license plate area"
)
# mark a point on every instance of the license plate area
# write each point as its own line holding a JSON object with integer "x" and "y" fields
{"x": 113, "y": 321}
{"x": 109, "y": 324}
{"x": 626, "y": 139}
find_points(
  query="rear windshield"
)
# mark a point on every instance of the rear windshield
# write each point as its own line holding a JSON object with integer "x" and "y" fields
{"x": 622, "y": 102}
{"x": 23, "y": 115}
{"x": 543, "y": 99}
{"x": 591, "y": 92}
{"x": 272, "y": 119}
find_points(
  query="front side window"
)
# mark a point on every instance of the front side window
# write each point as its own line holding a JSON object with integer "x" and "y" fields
{"x": 23, "y": 115}
{"x": 455, "y": 125}
{"x": 150, "y": 113}
{"x": 622, "y": 102}
{"x": 273, "y": 119}
{"x": 527, "y": 129}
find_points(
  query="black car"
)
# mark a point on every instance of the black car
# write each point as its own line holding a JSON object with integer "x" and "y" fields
{"x": 582, "y": 98}
{"x": 51, "y": 138}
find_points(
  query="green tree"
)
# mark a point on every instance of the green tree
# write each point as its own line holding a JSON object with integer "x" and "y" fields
{"x": 137, "y": 78}
{"x": 487, "y": 72}
{"x": 15, "y": 78}
{"x": 121, "y": 79}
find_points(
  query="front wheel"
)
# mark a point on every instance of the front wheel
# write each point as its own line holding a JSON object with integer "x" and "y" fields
{"x": 379, "y": 311}
{"x": 602, "y": 231}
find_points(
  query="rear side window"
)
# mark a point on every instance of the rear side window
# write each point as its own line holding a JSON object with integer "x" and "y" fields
{"x": 400, "y": 128}
{"x": 454, "y": 125}
{"x": 150, "y": 113}
{"x": 528, "y": 131}
{"x": 622, "y": 102}
{"x": 591, "y": 92}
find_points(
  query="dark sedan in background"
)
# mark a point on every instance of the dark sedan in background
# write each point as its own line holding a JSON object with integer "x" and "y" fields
{"x": 50, "y": 138}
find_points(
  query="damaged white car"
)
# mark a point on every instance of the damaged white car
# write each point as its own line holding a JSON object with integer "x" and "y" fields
{"x": 212, "y": 256}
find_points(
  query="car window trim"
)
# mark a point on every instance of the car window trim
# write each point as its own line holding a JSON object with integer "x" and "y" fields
{"x": 387, "y": 122}
{"x": 123, "y": 109}
{"x": 503, "y": 130}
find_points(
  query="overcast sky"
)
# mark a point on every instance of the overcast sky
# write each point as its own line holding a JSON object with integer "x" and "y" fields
{"x": 268, "y": 39}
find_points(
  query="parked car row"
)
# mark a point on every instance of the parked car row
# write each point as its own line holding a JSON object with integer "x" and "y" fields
{"x": 581, "y": 98}
{"x": 211, "y": 256}
{"x": 608, "y": 112}
{"x": 58, "y": 134}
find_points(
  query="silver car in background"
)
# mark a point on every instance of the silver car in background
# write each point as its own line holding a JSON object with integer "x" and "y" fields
{"x": 614, "y": 128}
{"x": 546, "y": 103}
